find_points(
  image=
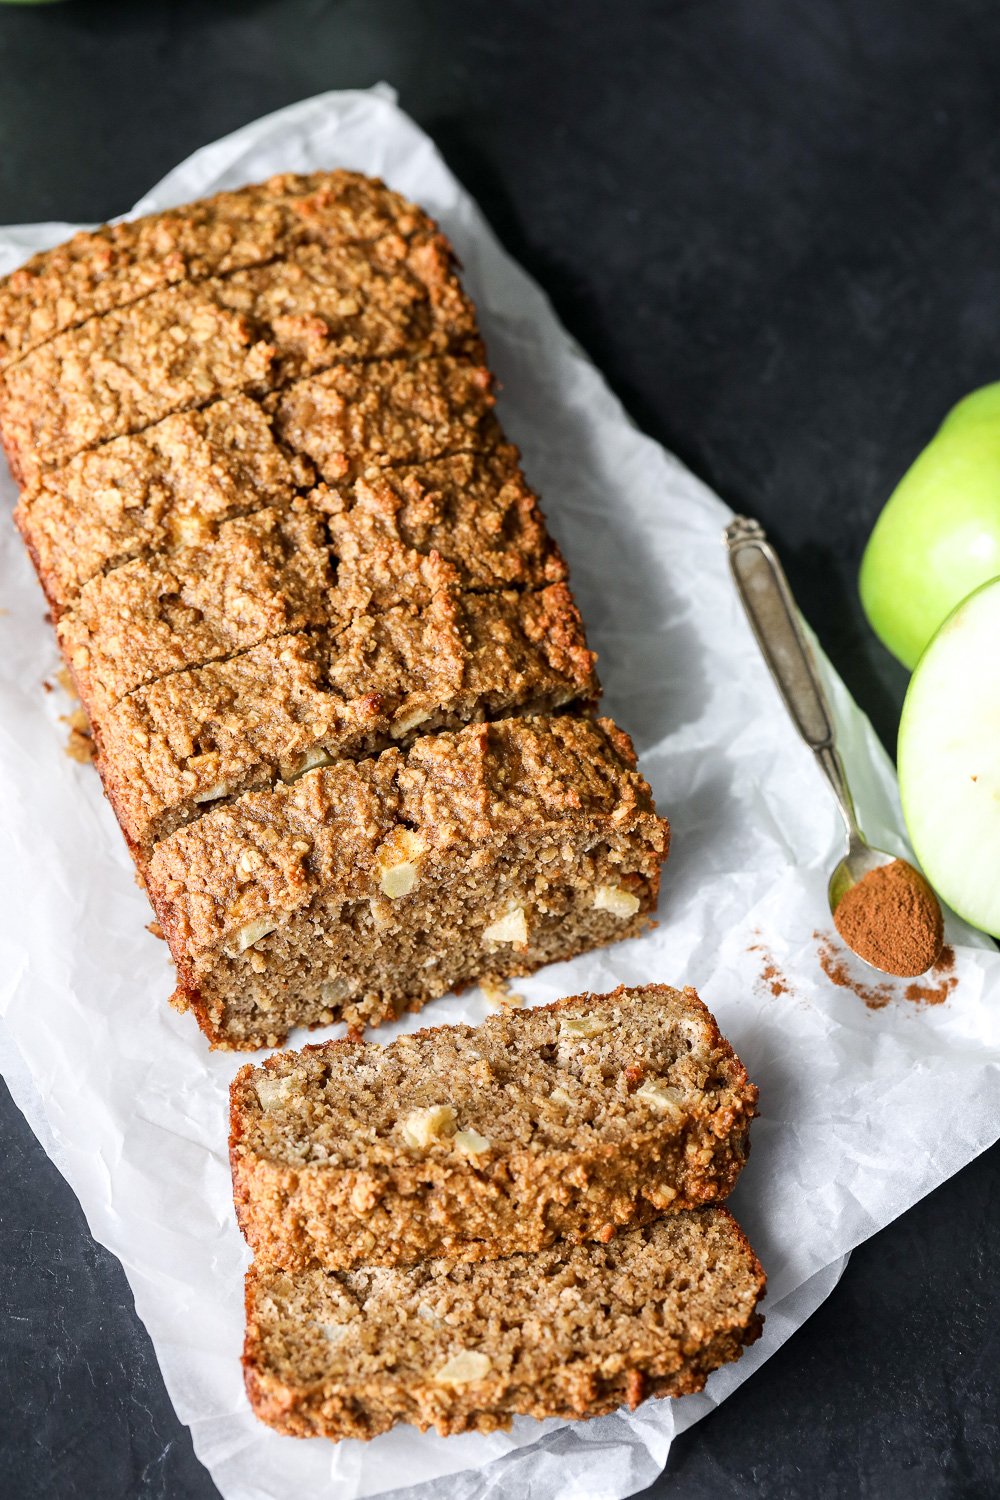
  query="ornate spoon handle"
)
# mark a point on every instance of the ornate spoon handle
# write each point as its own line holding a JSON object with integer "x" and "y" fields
{"x": 770, "y": 607}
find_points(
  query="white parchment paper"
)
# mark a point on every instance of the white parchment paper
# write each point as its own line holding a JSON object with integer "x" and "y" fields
{"x": 862, "y": 1111}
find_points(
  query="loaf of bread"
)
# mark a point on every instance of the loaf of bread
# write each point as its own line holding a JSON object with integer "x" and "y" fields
{"x": 565, "y": 1122}
{"x": 573, "y": 1331}
{"x": 340, "y": 695}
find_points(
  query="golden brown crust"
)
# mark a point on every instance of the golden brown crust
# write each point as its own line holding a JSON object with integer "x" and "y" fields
{"x": 169, "y": 749}
{"x": 474, "y": 510}
{"x": 572, "y": 1332}
{"x": 358, "y": 418}
{"x": 252, "y": 331}
{"x": 578, "y": 1136}
{"x": 176, "y": 483}
{"x": 99, "y": 270}
{"x": 153, "y": 492}
{"x": 260, "y": 576}
{"x": 275, "y": 572}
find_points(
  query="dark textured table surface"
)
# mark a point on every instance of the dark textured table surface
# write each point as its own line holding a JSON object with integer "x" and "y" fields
{"x": 776, "y": 228}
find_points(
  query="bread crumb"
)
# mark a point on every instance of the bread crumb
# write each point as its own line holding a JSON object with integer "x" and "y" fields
{"x": 498, "y": 994}
{"x": 79, "y": 744}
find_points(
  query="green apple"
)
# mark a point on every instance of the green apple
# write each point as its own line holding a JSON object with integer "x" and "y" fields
{"x": 938, "y": 537}
{"x": 949, "y": 759}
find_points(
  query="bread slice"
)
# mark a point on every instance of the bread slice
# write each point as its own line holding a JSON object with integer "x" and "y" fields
{"x": 263, "y": 575}
{"x": 574, "y": 1331}
{"x": 102, "y": 269}
{"x": 354, "y": 418}
{"x": 565, "y": 1122}
{"x": 475, "y": 510}
{"x": 363, "y": 890}
{"x": 254, "y": 578}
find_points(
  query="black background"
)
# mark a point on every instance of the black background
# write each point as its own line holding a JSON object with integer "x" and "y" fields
{"x": 775, "y": 228}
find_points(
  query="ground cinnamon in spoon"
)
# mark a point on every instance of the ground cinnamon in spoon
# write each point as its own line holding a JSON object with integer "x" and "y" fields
{"x": 892, "y": 919}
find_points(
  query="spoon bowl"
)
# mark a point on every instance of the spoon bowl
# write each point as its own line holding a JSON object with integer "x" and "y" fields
{"x": 860, "y": 860}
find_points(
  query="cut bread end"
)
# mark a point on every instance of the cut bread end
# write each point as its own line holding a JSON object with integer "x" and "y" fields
{"x": 364, "y": 890}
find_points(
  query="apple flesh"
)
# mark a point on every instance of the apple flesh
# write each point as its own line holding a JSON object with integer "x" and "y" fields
{"x": 938, "y": 537}
{"x": 949, "y": 760}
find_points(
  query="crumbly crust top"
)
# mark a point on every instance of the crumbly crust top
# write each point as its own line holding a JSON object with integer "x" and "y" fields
{"x": 173, "y": 483}
{"x": 262, "y": 575}
{"x": 354, "y": 418}
{"x": 252, "y": 331}
{"x": 191, "y": 738}
{"x": 99, "y": 270}
{"x": 255, "y": 577}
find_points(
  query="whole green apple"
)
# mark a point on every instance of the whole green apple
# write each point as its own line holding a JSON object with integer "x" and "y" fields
{"x": 938, "y": 537}
{"x": 949, "y": 759}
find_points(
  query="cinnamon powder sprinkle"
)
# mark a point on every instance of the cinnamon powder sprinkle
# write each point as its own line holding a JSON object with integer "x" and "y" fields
{"x": 770, "y": 976}
{"x": 892, "y": 919}
{"x": 933, "y": 989}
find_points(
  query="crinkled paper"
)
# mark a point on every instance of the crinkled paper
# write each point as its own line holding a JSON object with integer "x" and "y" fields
{"x": 862, "y": 1111}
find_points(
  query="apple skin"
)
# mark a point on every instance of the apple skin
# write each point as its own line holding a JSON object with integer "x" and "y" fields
{"x": 949, "y": 760}
{"x": 938, "y": 537}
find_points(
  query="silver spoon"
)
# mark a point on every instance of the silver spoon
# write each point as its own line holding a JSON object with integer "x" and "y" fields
{"x": 763, "y": 589}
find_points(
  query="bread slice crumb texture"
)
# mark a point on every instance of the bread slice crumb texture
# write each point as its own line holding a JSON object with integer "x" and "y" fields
{"x": 574, "y": 1331}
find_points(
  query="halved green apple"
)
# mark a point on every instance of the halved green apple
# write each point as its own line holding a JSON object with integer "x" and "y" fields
{"x": 949, "y": 759}
{"x": 938, "y": 537}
